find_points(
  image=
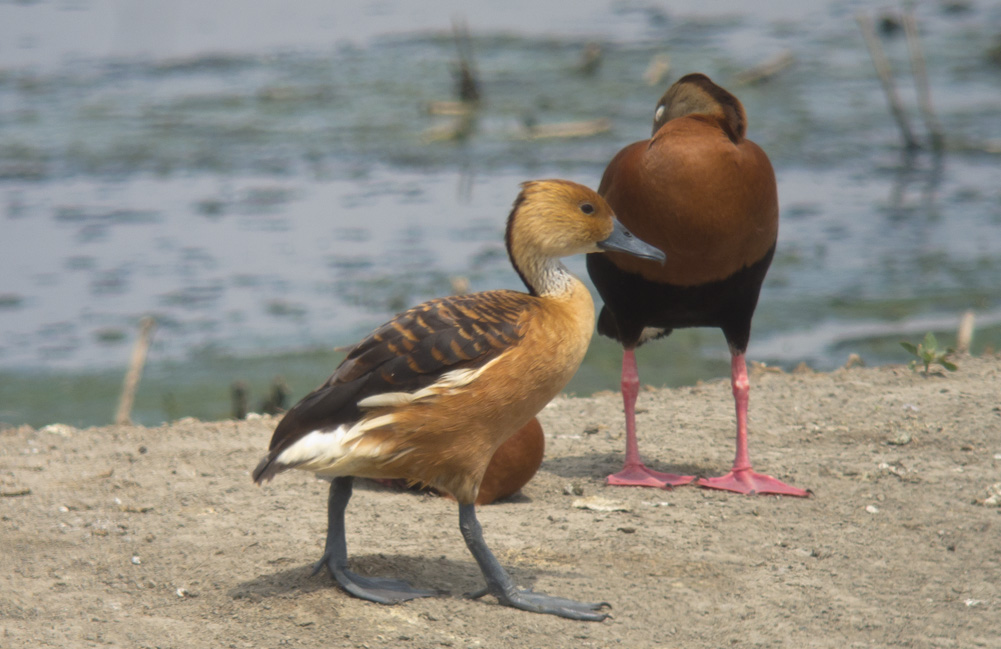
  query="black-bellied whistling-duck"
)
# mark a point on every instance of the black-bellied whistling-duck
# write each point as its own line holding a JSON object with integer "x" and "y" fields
{"x": 706, "y": 196}
{"x": 430, "y": 395}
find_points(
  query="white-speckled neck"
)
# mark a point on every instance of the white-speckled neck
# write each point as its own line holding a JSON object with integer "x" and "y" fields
{"x": 546, "y": 276}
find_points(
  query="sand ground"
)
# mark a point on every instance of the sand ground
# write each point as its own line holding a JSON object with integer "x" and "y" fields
{"x": 156, "y": 537}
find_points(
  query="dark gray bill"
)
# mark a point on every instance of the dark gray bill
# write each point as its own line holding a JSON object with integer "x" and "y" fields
{"x": 622, "y": 240}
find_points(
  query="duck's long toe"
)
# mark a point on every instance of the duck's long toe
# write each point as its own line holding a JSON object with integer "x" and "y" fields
{"x": 746, "y": 481}
{"x": 638, "y": 475}
{"x": 383, "y": 590}
{"x": 529, "y": 600}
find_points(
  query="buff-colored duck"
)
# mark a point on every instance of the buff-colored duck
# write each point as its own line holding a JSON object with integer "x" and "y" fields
{"x": 429, "y": 396}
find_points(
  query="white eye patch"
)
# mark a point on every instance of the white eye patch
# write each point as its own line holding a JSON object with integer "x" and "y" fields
{"x": 660, "y": 113}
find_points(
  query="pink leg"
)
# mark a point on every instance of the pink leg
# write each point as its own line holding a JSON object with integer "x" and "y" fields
{"x": 741, "y": 478}
{"x": 635, "y": 474}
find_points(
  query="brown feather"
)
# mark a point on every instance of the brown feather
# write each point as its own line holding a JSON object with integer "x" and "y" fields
{"x": 410, "y": 352}
{"x": 514, "y": 463}
{"x": 430, "y": 396}
{"x": 708, "y": 201}
{"x": 447, "y": 442}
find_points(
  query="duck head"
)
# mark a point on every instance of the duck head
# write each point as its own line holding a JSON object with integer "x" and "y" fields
{"x": 696, "y": 94}
{"x": 559, "y": 218}
{"x": 552, "y": 219}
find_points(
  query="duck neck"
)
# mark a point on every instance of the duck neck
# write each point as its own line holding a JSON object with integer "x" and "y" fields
{"x": 544, "y": 276}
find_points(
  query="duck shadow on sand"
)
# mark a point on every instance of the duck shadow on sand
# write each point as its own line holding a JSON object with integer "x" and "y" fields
{"x": 448, "y": 577}
{"x": 599, "y": 465}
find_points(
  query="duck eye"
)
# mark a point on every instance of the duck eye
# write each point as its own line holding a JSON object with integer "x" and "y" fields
{"x": 587, "y": 208}
{"x": 659, "y": 114}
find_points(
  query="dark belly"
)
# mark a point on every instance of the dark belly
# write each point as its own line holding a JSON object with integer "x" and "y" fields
{"x": 633, "y": 303}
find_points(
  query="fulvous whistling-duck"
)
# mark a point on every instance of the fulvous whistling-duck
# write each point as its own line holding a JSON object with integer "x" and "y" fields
{"x": 430, "y": 395}
{"x": 706, "y": 196}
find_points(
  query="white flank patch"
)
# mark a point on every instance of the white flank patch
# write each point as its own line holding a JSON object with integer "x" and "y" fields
{"x": 649, "y": 333}
{"x": 386, "y": 399}
{"x": 334, "y": 452}
{"x": 448, "y": 382}
{"x": 337, "y": 452}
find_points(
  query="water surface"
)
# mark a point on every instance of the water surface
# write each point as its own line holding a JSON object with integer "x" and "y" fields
{"x": 266, "y": 182}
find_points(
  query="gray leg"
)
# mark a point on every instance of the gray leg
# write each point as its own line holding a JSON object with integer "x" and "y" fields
{"x": 500, "y": 585}
{"x": 335, "y": 556}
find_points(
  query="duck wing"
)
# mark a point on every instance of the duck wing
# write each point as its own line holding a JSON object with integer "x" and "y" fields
{"x": 415, "y": 350}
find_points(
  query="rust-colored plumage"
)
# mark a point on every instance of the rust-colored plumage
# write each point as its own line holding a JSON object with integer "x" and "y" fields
{"x": 705, "y": 195}
{"x": 435, "y": 439}
{"x": 514, "y": 464}
{"x": 431, "y": 395}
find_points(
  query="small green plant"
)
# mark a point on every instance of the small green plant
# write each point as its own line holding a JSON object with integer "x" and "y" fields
{"x": 928, "y": 353}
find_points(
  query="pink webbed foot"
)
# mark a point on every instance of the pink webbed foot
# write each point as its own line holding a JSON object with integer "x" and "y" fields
{"x": 637, "y": 475}
{"x": 741, "y": 478}
{"x": 745, "y": 481}
{"x": 634, "y": 473}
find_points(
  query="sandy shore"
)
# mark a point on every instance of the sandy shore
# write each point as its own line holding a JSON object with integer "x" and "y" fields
{"x": 155, "y": 537}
